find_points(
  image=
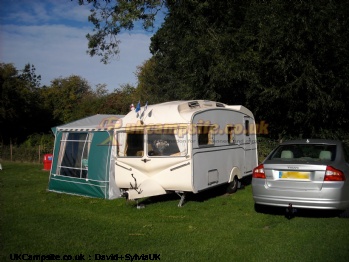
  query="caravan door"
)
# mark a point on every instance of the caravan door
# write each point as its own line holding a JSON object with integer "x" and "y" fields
{"x": 249, "y": 151}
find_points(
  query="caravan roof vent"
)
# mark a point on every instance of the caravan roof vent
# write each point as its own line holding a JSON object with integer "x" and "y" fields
{"x": 208, "y": 103}
{"x": 220, "y": 105}
{"x": 193, "y": 104}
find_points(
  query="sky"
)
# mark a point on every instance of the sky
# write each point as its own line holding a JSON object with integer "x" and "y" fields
{"x": 51, "y": 35}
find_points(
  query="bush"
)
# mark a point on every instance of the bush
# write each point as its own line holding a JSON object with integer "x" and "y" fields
{"x": 265, "y": 146}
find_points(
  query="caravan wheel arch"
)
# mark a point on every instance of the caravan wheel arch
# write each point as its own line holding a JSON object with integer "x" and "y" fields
{"x": 234, "y": 172}
{"x": 233, "y": 182}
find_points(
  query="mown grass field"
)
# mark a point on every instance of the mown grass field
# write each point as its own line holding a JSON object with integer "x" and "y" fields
{"x": 211, "y": 226}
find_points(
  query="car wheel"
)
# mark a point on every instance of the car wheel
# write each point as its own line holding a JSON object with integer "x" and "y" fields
{"x": 233, "y": 186}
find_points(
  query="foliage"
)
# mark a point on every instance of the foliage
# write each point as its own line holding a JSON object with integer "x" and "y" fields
{"x": 265, "y": 146}
{"x": 28, "y": 111}
{"x": 44, "y": 140}
{"x": 287, "y": 63}
{"x": 30, "y": 77}
{"x": 24, "y": 153}
{"x": 302, "y": 68}
{"x": 210, "y": 226}
{"x": 70, "y": 92}
{"x": 111, "y": 17}
{"x": 149, "y": 87}
{"x": 196, "y": 52}
{"x": 20, "y": 102}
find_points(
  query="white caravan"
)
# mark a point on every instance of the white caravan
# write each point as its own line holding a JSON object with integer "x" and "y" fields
{"x": 184, "y": 146}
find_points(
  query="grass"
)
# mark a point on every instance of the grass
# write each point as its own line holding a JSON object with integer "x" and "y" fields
{"x": 211, "y": 226}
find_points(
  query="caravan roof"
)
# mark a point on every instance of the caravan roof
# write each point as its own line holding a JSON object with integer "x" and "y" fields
{"x": 176, "y": 112}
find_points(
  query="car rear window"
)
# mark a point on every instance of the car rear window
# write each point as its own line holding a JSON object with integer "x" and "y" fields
{"x": 304, "y": 152}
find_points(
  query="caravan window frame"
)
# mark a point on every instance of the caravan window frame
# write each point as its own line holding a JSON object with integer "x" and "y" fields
{"x": 230, "y": 132}
{"x": 247, "y": 127}
{"x": 124, "y": 145}
{"x": 77, "y": 165}
{"x": 178, "y": 141}
{"x": 201, "y": 134}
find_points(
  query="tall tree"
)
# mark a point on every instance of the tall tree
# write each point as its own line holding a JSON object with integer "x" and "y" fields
{"x": 285, "y": 61}
{"x": 20, "y": 106}
{"x": 149, "y": 87}
{"x": 302, "y": 66}
{"x": 196, "y": 50}
{"x": 9, "y": 114}
{"x": 28, "y": 74}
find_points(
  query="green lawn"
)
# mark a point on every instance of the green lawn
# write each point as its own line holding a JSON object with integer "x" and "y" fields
{"x": 209, "y": 227}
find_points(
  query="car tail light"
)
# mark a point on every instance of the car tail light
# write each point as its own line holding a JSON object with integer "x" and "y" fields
{"x": 258, "y": 172}
{"x": 333, "y": 174}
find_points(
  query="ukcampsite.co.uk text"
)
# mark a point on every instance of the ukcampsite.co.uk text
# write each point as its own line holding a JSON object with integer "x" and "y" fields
{"x": 82, "y": 257}
{"x": 260, "y": 128}
{"x": 199, "y": 128}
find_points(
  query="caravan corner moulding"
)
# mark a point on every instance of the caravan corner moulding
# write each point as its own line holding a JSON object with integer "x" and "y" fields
{"x": 184, "y": 146}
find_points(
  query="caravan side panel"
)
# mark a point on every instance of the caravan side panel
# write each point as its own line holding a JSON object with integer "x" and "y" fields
{"x": 215, "y": 157}
{"x": 212, "y": 167}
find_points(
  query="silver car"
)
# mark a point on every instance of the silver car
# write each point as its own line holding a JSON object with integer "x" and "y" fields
{"x": 309, "y": 173}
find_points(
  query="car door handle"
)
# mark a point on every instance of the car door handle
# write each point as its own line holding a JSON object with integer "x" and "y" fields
{"x": 145, "y": 160}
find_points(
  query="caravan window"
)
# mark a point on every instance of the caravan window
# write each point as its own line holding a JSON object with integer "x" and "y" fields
{"x": 205, "y": 135}
{"x": 130, "y": 144}
{"x": 73, "y": 154}
{"x": 230, "y": 133}
{"x": 167, "y": 142}
{"x": 247, "y": 127}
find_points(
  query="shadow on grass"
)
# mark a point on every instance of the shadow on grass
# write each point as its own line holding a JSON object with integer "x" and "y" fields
{"x": 202, "y": 196}
{"x": 297, "y": 212}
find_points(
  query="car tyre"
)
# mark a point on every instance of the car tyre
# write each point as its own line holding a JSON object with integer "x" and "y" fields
{"x": 233, "y": 186}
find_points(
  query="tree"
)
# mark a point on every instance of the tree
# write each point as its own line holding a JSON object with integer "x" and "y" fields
{"x": 286, "y": 62}
{"x": 72, "y": 98}
{"x": 28, "y": 74}
{"x": 20, "y": 103}
{"x": 112, "y": 17}
{"x": 196, "y": 51}
{"x": 302, "y": 66}
{"x": 120, "y": 100}
{"x": 148, "y": 88}
{"x": 8, "y": 109}
{"x": 65, "y": 95}
{"x": 28, "y": 111}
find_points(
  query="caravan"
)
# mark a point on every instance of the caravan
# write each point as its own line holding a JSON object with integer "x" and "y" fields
{"x": 184, "y": 146}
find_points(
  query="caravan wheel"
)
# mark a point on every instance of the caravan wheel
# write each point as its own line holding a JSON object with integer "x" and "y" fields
{"x": 233, "y": 186}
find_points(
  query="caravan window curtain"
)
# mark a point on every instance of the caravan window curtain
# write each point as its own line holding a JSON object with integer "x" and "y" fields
{"x": 73, "y": 155}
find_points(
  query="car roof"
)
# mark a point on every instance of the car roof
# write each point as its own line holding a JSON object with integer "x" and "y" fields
{"x": 312, "y": 141}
